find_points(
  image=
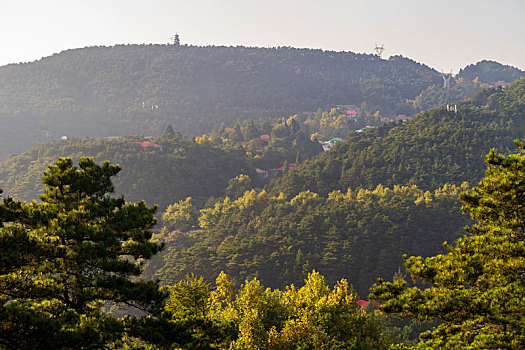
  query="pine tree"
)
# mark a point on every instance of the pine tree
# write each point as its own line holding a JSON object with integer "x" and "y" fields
{"x": 236, "y": 135}
{"x": 250, "y": 131}
{"x": 180, "y": 216}
{"x": 65, "y": 258}
{"x": 477, "y": 288}
{"x": 168, "y": 131}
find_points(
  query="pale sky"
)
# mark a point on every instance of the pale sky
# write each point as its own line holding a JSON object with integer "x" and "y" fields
{"x": 444, "y": 34}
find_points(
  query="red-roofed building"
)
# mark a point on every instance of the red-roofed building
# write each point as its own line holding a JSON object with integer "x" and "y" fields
{"x": 146, "y": 144}
{"x": 265, "y": 138}
{"x": 290, "y": 167}
{"x": 501, "y": 83}
{"x": 364, "y": 304}
{"x": 401, "y": 117}
{"x": 272, "y": 173}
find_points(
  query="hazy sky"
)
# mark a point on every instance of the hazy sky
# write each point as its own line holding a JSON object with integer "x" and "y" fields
{"x": 446, "y": 34}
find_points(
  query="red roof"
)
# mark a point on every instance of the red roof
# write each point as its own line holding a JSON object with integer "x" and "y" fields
{"x": 265, "y": 138}
{"x": 290, "y": 166}
{"x": 351, "y": 112}
{"x": 364, "y": 303}
{"x": 145, "y": 144}
{"x": 501, "y": 83}
{"x": 262, "y": 171}
{"x": 402, "y": 117}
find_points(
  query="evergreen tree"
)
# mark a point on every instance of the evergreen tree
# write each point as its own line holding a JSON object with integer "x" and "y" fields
{"x": 294, "y": 125}
{"x": 238, "y": 186}
{"x": 169, "y": 132}
{"x": 180, "y": 216}
{"x": 251, "y": 131}
{"x": 236, "y": 136}
{"x": 266, "y": 127}
{"x": 65, "y": 258}
{"x": 285, "y": 166}
{"x": 477, "y": 288}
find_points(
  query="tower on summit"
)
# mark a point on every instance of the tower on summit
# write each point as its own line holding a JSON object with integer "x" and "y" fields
{"x": 379, "y": 49}
{"x": 176, "y": 40}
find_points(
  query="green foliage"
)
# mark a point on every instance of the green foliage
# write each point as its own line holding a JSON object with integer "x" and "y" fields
{"x": 435, "y": 148}
{"x": 336, "y": 122}
{"x": 477, "y": 288}
{"x": 254, "y": 317}
{"x": 65, "y": 258}
{"x": 189, "y": 297}
{"x": 356, "y": 235}
{"x": 250, "y": 132}
{"x": 490, "y": 72}
{"x": 238, "y": 185}
{"x": 181, "y": 216}
{"x": 181, "y": 169}
{"x": 132, "y": 89}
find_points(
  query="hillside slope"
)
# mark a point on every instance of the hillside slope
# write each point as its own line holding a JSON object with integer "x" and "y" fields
{"x": 353, "y": 211}
{"x": 132, "y": 89}
{"x": 157, "y": 175}
{"x": 434, "y": 148}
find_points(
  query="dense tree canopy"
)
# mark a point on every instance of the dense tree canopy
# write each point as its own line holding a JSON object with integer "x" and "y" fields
{"x": 477, "y": 288}
{"x": 356, "y": 235}
{"x": 157, "y": 175}
{"x": 490, "y": 72}
{"x": 65, "y": 258}
{"x": 312, "y": 316}
{"x": 435, "y": 148}
{"x": 132, "y": 89}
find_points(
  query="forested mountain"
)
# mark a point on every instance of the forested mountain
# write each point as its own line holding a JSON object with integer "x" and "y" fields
{"x": 467, "y": 83}
{"x": 132, "y": 89}
{"x": 353, "y": 211}
{"x": 354, "y": 235}
{"x": 434, "y": 148}
{"x": 169, "y": 168}
{"x": 490, "y": 72}
{"x": 158, "y": 175}
{"x": 350, "y": 213}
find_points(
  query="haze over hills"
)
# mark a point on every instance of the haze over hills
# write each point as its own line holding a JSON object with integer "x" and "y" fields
{"x": 138, "y": 89}
{"x": 434, "y": 148}
{"x": 379, "y": 208}
{"x": 102, "y": 91}
{"x": 349, "y": 213}
{"x": 381, "y": 193}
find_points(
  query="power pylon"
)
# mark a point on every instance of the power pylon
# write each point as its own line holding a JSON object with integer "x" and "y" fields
{"x": 379, "y": 49}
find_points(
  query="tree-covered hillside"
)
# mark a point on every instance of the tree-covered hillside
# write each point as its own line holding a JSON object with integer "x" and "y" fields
{"x": 490, "y": 72}
{"x": 158, "y": 175}
{"x": 171, "y": 167}
{"x": 434, "y": 148}
{"x": 353, "y": 211}
{"x": 132, "y": 89}
{"x": 357, "y": 235}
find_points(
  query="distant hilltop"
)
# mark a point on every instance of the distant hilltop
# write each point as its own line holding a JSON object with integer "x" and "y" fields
{"x": 139, "y": 89}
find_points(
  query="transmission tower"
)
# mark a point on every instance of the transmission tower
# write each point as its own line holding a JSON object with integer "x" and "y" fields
{"x": 176, "y": 40}
{"x": 446, "y": 78}
{"x": 379, "y": 49}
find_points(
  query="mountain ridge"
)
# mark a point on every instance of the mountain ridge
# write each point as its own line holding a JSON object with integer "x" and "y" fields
{"x": 139, "y": 89}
